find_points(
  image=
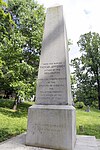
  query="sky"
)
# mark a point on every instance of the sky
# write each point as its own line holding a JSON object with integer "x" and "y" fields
{"x": 81, "y": 17}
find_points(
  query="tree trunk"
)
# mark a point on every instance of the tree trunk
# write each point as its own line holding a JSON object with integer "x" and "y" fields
{"x": 99, "y": 101}
{"x": 6, "y": 94}
{"x": 98, "y": 82}
{"x": 99, "y": 95}
{"x": 15, "y": 105}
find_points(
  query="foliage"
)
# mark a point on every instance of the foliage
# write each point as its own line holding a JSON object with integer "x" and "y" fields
{"x": 79, "y": 105}
{"x": 95, "y": 104}
{"x": 29, "y": 18}
{"x": 21, "y": 31}
{"x": 87, "y": 69}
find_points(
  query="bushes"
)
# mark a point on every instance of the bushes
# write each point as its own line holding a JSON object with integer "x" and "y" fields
{"x": 79, "y": 105}
{"x": 95, "y": 104}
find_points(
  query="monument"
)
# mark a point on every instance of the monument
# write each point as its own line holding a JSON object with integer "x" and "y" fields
{"x": 51, "y": 122}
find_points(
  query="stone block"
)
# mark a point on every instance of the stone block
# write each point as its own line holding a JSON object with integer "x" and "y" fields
{"x": 51, "y": 126}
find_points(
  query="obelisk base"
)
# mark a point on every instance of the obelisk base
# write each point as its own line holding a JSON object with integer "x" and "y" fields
{"x": 51, "y": 126}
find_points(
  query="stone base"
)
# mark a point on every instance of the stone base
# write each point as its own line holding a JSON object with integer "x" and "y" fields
{"x": 18, "y": 143}
{"x": 51, "y": 126}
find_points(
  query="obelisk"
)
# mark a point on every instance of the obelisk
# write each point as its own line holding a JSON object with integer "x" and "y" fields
{"x": 51, "y": 122}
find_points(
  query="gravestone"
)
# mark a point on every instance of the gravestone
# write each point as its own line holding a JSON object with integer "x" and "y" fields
{"x": 51, "y": 122}
{"x": 88, "y": 108}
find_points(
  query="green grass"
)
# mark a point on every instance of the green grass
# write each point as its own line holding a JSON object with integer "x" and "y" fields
{"x": 88, "y": 123}
{"x": 13, "y": 122}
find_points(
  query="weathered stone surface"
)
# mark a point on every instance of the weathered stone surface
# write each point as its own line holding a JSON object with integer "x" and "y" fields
{"x": 53, "y": 86}
{"x": 86, "y": 143}
{"x": 51, "y": 126}
{"x": 98, "y": 143}
{"x": 18, "y": 143}
{"x": 51, "y": 123}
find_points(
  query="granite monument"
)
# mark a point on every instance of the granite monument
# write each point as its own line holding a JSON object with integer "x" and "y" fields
{"x": 52, "y": 120}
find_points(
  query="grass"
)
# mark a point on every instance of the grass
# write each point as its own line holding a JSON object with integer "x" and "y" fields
{"x": 88, "y": 123}
{"x": 13, "y": 122}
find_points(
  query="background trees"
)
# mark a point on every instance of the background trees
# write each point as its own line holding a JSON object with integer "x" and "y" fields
{"x": 21, "y": 31}
{"x": 87, "y": 69}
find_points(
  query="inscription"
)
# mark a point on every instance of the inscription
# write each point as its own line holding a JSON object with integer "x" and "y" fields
{"x": 42, "y": 128}
{"x": 52, "y": 68}
{"x": 52, "y": 82}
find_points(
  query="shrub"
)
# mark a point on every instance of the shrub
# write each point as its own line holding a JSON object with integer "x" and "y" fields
{"x": 79, "y": 105}
{"x": 95, "y": 104}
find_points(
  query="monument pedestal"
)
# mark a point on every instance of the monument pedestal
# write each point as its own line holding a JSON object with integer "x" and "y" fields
{"x": 51, "y": 126}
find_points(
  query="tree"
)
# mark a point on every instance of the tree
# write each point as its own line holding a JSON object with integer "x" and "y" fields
{"x": 87, "y": 68}
{"x": 29, "y": 17}
{"x": 6, "y": 25}
{"x": 21, "y": 31}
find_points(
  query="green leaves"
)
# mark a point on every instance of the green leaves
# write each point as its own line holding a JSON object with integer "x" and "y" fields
{"x": 87, "y": 68}
{"x": 21, "y": 31}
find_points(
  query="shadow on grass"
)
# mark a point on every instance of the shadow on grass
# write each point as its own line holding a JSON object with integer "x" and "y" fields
{"x": 6, "y": 134}
{"x": 91, "y": 130}
{"x": 6, "y": 105}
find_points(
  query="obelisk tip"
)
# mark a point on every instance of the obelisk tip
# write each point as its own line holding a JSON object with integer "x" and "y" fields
{"x": 55, "y": 5}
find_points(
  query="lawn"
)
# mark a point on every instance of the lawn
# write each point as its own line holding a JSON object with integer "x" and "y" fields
{"x": 13, "y": 122}
{"x": 88, "y": 123}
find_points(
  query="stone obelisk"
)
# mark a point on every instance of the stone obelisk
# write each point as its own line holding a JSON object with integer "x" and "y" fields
{"x": 51, "y": 122}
